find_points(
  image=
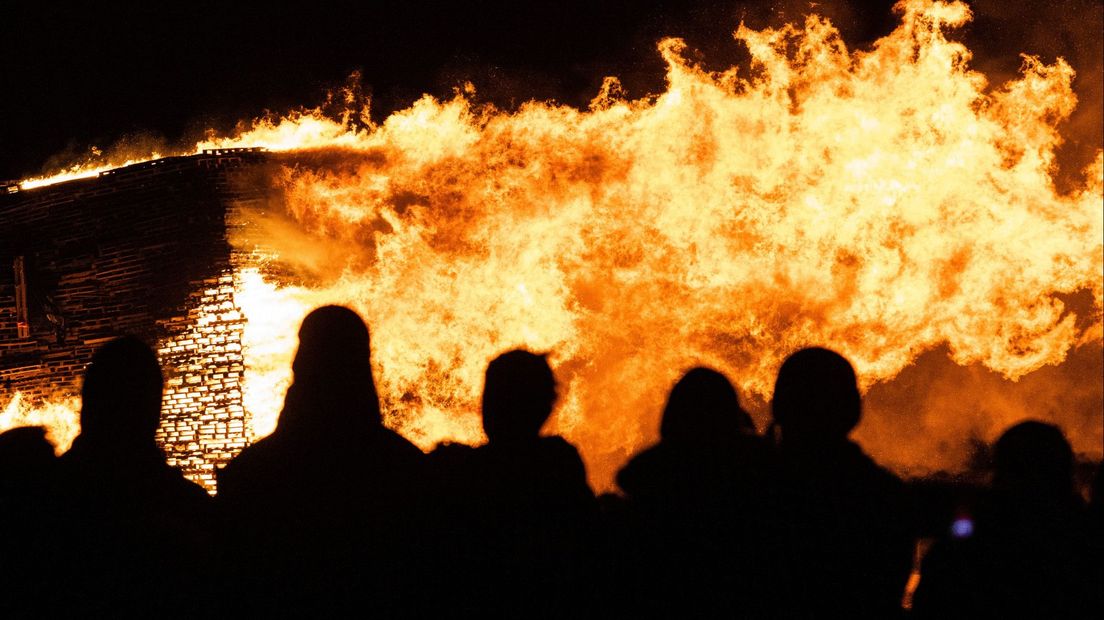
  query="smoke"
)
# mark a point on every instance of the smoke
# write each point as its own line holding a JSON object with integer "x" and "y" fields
{"x": 931, "y": 415}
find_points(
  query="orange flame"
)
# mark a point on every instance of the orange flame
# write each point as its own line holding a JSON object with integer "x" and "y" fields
{"x": 57, "y": 415}
{"x": 884, "y": 203}
{"x": 878, "y": 202}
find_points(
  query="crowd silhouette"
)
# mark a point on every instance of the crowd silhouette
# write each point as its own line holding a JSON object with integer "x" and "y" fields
{"x": 335, "y": 515}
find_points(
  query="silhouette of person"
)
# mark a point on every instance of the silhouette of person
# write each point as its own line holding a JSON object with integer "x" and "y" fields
{"x": 851, "y": 524}
{"x": 518, "y": 509}
{"x": 703, "y": 408}
{"x": 120, "y": 509}
{"x": 26, "y": 467}
{"x": 26, "y": 476}
{"x": 315, "y": 517}
{"x": 698, "y": 539}
{"x": 1029, "y": 550}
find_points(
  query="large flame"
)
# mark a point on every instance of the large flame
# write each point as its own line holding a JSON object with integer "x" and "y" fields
{"x": 57, "y": 415}
{"x": 884, "y": 203}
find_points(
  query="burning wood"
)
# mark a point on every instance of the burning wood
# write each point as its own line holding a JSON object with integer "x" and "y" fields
{"x": 886, "y": 203}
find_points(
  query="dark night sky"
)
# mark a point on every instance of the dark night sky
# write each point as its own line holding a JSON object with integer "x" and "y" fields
{"x": 108, "y": 72}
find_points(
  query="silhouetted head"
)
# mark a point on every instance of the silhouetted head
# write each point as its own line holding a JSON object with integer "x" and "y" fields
{"x": 703, "y": 407}
{"x": 25, "y": 456}
{"x": 816, "y": 397}
{"x": 1033, "y": 457}
{"x": 121, "y": 395}
{"x": 333, "y": 369}
{"x": 518, "y": 396}
{"x": 333, "y": 342}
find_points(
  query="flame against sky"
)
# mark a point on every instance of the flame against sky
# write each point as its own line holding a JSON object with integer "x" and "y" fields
{"x": 885, "y": 203}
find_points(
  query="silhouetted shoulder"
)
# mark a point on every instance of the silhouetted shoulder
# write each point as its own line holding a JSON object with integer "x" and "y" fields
{"x": 27, "y": 466}
{"x": 24, "y": 450}
{"x": 557, "y": 450}
{"x": 448, "y": 450}
{"x": 448, "y": 460}
{"x": 869, "y": 472}
{"x": 235, "y": 476}
{"x": 673, "y": 469}
{"x": 400, "y": 446}
{"x": 187, "y": 490}
{"x": 638, "y": 477}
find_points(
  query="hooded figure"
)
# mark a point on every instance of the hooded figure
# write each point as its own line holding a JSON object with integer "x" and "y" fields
{"x": 315, "y": 516}
{"x": 333, "y": 395}
{"x": 120, "y": 508}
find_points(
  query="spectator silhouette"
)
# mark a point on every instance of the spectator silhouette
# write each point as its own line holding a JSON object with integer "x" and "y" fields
{"x": 315, "y": 517}
{"x": 1029, "y": 550}
{"x": 518, "y": 510}
{"x": 26, "y": 475}
{"x": 703, "y": 408}
{"x": 851, "y": 531}
{"x": 121, "y": 512}
{"x": 698, "y": 539}
{"x": 26, "y": 460}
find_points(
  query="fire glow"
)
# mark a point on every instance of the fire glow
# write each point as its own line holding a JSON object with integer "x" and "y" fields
{"x": 884, "y": 203}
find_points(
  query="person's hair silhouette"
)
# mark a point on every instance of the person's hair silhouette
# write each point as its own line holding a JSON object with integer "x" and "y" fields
{"x": 1033, "y": 457}
{"x": 816, "y": 397}
{"x": 696, "y": 530}
{"x": 121, "y": 394}
{"x": 703, "y": 407}
{"x": 333, "y": 387}
{"x": 318, "y": 517}
{"x": 333, "y": 345}
{"x": 27, "y": 465}
{"x": 24, "y": 452}
{"x": 518, "y": 396}
{"x": 120, "y": 508}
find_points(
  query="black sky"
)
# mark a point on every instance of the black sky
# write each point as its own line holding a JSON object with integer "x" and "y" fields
{"x": 106, "y": 72}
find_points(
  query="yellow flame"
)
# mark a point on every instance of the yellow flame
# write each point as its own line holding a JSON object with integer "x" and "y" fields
{"x": 882, "y": 202}
{"x": 83, "y": 171}
{"x": 59, "y": 416}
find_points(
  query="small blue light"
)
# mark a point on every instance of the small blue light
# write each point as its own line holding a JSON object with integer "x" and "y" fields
{"x": 963, "y": 527}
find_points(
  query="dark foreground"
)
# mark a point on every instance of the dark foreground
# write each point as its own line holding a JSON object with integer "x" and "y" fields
{"x": 335, "y": 515}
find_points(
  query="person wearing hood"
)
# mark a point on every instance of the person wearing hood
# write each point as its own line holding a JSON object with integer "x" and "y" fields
{"x": 119, "y": 508}
{"x": 315, "y": 518}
